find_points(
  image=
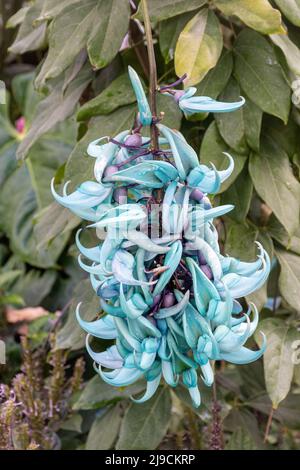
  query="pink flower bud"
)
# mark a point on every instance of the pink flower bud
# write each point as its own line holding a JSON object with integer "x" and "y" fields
{"x": 110, "y": 170}
{"x": 120, "y": 195}
{"x": 134, "y": 140}
{"x": 207, "y": 271}
{"x": 20, "y": 124}
{"x": 169, "y": 300}
{"x": 197, "y": 195}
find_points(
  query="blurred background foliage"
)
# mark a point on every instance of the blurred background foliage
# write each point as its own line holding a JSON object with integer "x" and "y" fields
{"x": 64, "y": 64}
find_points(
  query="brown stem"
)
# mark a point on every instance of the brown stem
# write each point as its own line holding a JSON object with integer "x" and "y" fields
{"x": 152, "y": 75}
{"x": 269, "y": 423}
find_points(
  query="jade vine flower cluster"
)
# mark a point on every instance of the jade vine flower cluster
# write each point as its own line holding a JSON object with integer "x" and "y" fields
{"x": 168, "y": 296}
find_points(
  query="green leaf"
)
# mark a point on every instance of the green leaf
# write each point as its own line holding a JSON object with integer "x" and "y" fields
{"x": 241, "y": 127}
{"x": 71, "y": 336}
{"x": 52, "y": 221}
{"x": 52, "y": 8}
{"x": 239, "y": 194}
{"x": 8, "y": 277}
{"x": 278, "y": 232}
{"x": 110, "y": 26}
{"x": 34, "y": 286}
{"x": 259, "y": 297}
{"x": 30, "y": 36}
{"x": 169, "y": 31}
{"x": 199, "y": 46}
{"x": 241, "y": 440}
{"x": 260, "y": 75}
{"x": 55, "y": 108}
{"x": 278, "y": 364}
{"x": 144, "y": 425}
{"x": 289, "y": 279}
{"x": 97, "y": 394}
{"x": 290, "y": 51}
{"x": 80, "y": 166}
{"x": 118, "y": 93}
{"x": 212, "y": 149}
{"x": 104, "y": 430}
{"x": 216, "y": 79}
{"x": 240, "y": 240}
{"x": 286, "y": 136}
{"x": 231, "y": 125}
{"x": 242, "y": 419}
{"x": 291, "y": 9}
{"x": 163, "y": 9}
{"x": 172, "y": 114}
{"x": 22, "y": 195}
{"x": 68, "y": 35}
{"x": 259, "y": 15}
{"x": 252, "y": 115}
{"x": 275, "y": 183}
{"x": 18, "y": 17}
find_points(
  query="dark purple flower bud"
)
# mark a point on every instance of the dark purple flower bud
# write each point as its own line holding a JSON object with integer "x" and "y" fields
{"x": 169, "y": 300}
{"x": 178, "y": 94}
{"x": 201, "y": 258}
{"x": 156, "y": 300}
{"x": 120, "y": 195}
{"x": 134, "y": 140}
{"x": 207, "y": 271}
{"x": 197, "y": 195}
{"x": 111, "y": 170}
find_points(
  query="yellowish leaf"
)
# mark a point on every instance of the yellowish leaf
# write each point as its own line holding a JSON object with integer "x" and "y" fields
{"x": 199, "y": 46}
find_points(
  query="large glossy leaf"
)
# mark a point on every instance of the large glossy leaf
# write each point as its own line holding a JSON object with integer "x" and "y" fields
{"x": 110, "y": 26}
{"x": 274, "y": 181}
{"x": 231, "y": 125}
{"x": 278, "y": 363}
{"x": 241, "y": 238}
{"x": 290, "y": 51}
{"x": 118, "y": 93}
{"x": 163, "y": 9}
{"x": 199, "y": 46}
{"x": 71, "y": 336}
{"x": 97, "y": 25}
{"x": 80, "y": 166}
{"x": 104, "y": 430}
{"x": 52, "y": 8}
{"x": 216, "y": 79}
{"x": 289, "y": 279}
{"x": 239, "y": 194}
{"x": 241, "y": 440}
{"x": 52, "y": 221}
{"x": 144, "y": 425}
{"x": 25, "y": 188}
{"x": 278, "y": 232}
{"x": 31, "y": 36}
{"x": 291, "y": 9}
{"x": 212, "y": 149}
{"x": 258, "y": 14}
{"x": 246, "y": 433}
{"x": 55, "y": 108}
{"x": 260, "y": 75}
{"x": 97, "y": 394}
{"x": 169, "y": 31}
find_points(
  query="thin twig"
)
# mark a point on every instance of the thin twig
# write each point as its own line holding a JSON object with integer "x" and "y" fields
{"x": 269, "y": 424}
{"x": 152, "y": 75}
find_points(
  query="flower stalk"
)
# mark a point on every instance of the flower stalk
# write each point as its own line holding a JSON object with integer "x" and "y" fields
{"x": 152, "y": 76}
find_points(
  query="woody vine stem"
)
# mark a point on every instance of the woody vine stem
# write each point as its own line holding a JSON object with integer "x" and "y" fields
{"x": 152, "y": 75}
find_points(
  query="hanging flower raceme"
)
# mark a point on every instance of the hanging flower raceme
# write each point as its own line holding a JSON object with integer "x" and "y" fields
{"x": 169, "y": 297}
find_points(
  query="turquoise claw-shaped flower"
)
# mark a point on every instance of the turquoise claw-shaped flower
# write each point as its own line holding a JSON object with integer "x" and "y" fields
{"x": 169, "y": 301}
{"x": 190, "y": 104}
{"x": 145, "y": 115}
